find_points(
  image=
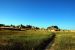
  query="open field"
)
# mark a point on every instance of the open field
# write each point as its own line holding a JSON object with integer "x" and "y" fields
{"x": 23, "y": 40}
{"x": 64, "y": 41}
{"x": 36, "y": 40}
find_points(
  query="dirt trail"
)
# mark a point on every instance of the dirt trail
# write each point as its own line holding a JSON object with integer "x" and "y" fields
{"x": 51, "y": 44}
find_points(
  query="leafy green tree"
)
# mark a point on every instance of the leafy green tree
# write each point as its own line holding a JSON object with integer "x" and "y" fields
{"x": 2, "y": 25}
{"x": 28, "y": 26}
{"x": 53, "y": 27}
{"x": 12, "y": 25}
{"x": 37, "y": 28}
{"x": 22, "y": 26}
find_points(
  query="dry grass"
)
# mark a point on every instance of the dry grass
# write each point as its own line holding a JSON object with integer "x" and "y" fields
{"x": 24, "y": 40}
{"x": 64, "y": 41}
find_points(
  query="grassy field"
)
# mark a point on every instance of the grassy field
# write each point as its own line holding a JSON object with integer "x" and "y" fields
{"x": 35, "y": 40}
{"x": 64, "y": 41}
{"x": 23, "y": 40}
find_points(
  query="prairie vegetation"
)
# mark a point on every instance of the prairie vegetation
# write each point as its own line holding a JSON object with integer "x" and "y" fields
{"x": 24, "y": 40}
{"x": 64, "y": 41}
{"x": 34, "y": 38}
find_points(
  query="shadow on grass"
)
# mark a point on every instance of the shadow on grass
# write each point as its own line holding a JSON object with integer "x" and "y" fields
{"x": 22, "y": 45}
{"x": 45, "y": 43}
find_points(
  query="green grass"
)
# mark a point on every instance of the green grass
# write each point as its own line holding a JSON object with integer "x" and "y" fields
{"x": 65, "y": 41}
{"x": 27, "y": 40}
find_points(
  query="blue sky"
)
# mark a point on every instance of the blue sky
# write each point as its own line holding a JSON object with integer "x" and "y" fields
{"x": 41, "y": 13}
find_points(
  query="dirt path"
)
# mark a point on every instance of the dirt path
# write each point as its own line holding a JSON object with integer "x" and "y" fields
{"x": 51, "y": 47}
{"x": 51, "y": 44}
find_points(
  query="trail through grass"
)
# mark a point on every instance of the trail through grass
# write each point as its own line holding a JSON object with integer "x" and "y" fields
{"x": 64, "y": 41}
{"x": 23, "y": 40}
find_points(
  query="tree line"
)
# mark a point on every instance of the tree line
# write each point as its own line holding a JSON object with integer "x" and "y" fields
{"x": 21, "y": 26}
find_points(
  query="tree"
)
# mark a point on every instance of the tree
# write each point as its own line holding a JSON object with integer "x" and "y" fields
{"x": 2, "y": 25}
{"x": 12, "y": 25}
{"x": 53, "y": 27}
{"x": 22, "y": 26}
{"x": 28, "y": 26}
{"x": 37, "y": 28}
